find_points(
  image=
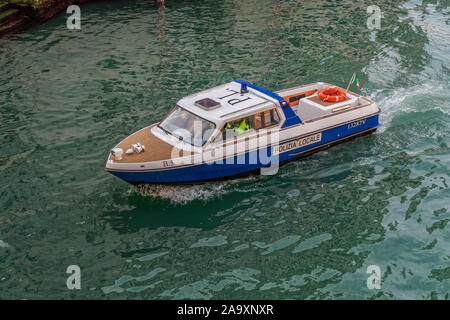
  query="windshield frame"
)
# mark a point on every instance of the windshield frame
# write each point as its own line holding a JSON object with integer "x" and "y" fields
{"x": 194, "y": 114}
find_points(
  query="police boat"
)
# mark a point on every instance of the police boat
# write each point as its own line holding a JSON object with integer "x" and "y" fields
{"x": 240, "y": 128}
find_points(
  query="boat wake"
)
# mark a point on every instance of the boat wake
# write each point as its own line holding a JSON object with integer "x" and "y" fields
{"x": 184, "y": 194}
{"x": 428, "y": 75}
{"x": 424, "y": 97}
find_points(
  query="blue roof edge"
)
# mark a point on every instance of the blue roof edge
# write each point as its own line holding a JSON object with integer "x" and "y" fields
{"x": 291, "y": 118}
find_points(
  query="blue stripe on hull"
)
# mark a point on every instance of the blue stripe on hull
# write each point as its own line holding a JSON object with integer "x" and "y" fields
{"x": 237, "y": 166}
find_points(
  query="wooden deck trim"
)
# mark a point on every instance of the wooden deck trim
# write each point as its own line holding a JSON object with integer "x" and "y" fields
{"x": 155, "y": 148}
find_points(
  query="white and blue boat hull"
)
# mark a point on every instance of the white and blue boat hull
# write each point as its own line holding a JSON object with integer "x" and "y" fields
{"x": 193, "y": 173}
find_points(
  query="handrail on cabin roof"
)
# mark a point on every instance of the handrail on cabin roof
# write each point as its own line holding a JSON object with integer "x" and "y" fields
{"x": 291, "y": 117}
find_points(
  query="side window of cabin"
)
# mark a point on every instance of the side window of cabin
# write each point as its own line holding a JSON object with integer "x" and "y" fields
{"x": 251, "y": 123}
{"x": 238, "y": 127}
{"x": 266, "y": 119}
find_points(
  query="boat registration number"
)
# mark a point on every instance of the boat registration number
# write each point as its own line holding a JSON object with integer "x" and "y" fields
{"x": 295, "y": 144}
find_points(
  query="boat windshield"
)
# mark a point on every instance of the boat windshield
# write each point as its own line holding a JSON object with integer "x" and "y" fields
{"x": 187, "y": 127}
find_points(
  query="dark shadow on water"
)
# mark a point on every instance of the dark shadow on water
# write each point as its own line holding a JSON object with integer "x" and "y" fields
{"x": 136, "y": 211}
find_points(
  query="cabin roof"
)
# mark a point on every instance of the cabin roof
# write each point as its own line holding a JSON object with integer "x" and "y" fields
{"x": 232, "y": 102}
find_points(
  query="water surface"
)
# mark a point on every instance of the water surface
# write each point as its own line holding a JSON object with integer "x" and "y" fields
{"x": 309, "y": 232}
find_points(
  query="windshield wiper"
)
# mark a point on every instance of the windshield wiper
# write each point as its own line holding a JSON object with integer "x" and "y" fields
{"x": 171, "y": 134}
{"x": 166, "y": 131}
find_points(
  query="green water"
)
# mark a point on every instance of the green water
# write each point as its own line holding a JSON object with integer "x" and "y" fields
{"x": 309, "y": 232}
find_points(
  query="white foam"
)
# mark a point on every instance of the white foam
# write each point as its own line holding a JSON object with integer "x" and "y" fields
{"x": 392, "y": 102}
{"x": 183, "y": 194}
{"x": 3, "y": 244}
{"x": 430, "y": 84}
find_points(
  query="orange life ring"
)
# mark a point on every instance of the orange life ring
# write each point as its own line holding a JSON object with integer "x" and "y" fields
{"x": 332, "y": 95}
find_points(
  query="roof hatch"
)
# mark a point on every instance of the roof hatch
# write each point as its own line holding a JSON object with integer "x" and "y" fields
{"x": 207, "y": 104}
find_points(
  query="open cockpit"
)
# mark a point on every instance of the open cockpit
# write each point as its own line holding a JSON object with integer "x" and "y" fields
{"x": 306, "y": 103}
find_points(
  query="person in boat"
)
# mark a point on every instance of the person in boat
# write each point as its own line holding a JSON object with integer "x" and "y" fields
{"x": 243, "y": 127}
{"x": 234, "y": 128}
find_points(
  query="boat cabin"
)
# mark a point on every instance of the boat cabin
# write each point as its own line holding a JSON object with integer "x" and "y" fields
{"x": 220, "y": 113}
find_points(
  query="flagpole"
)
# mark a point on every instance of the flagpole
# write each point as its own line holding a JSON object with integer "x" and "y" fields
{"x": 353, "y": 77}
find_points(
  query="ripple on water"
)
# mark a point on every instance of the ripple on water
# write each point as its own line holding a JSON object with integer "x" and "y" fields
{"x": 152, "y": 256}
{"x": 216, "y": 241}
{"x": 117, "y": 286}
{"x": 312, "y": 242}
{"x": 281, "y": 244}
{"x": 214, "y": 283}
